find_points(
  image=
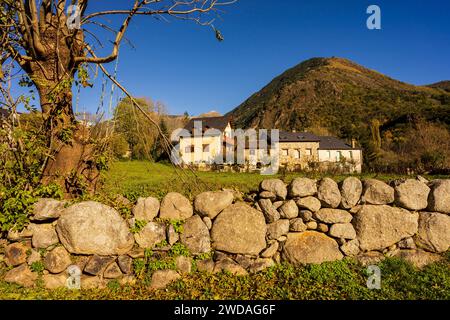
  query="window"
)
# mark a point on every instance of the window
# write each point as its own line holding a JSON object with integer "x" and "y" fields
{"x": 351, "y": 154}
{"x": 252, "y": 152}
{"x": 329, "y": 155}
{"x": 308, "y": 152}
{"x": 206, "y": 148}
{"x": 284, "y": 152}
{"x": 189, "y": 149}
{"x": 296, "y": 154}
{"x": 339, "y": 156}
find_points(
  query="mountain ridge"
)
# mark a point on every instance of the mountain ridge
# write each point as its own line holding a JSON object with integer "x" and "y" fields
{"x": 338, "y": 96}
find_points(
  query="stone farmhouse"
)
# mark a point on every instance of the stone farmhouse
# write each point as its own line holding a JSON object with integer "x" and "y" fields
{"x": 207, "y": 139}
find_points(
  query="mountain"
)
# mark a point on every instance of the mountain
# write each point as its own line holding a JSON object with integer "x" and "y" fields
{"x": 337, "y": 96}
{"x": 209, "y": 114}
{"x": 444, "y": 85}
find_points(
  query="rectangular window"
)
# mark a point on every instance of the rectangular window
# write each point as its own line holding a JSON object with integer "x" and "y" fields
{"x": 329, "y": 155}
{"x": 308, "y": 152}
{"x": 338, "y": 156}
{"x": 189, "y": 149}
{"x": 252, "y": 152}
{"x": 206, "y": 148}
{"x": 351, "y": 154}
{"x": 284, "y": 152}
{"x": 296, "y": 154}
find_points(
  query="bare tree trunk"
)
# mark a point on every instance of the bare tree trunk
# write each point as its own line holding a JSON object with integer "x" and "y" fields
{"x": 71, "y": 162}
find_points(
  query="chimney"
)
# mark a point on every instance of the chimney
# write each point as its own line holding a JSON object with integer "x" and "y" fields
{"x": 294, "y": 131}
{"x": 353, "y": 143}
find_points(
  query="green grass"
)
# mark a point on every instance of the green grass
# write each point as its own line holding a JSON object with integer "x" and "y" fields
{"x": 329, "y": 281}
{"x": 143, "y": 178}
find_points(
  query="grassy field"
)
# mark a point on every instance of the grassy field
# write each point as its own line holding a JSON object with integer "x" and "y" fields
{"x": 144, "y": 178}
{"x": 340, "y": 280}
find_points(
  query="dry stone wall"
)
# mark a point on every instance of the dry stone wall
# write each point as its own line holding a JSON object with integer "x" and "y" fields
{"x": 307, "y": 221}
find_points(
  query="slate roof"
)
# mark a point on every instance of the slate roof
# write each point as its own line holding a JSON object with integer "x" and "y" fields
{"x": 298, "y": 137}
{"x": 333, "y": 143}
{"x": 219, "y": 123}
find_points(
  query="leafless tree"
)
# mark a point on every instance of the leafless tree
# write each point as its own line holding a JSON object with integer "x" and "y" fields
{"x": 45, "y": 40}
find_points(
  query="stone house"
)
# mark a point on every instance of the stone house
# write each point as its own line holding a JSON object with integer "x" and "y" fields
{"x": 335, "y": 153}
{"x": 205, "y": 139}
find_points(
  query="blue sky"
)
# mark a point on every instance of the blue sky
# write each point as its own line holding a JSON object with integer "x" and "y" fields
{"x": 184, "y": 66}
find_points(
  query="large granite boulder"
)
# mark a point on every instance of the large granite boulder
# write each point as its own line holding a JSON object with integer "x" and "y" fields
{"x": 434, "y": 232}
{"x": 93, "y": 228}
{"x": 310, "y": 247}
{"x": 328, "y": 193}
{"x": 351, "y": 190}
{"x": 411, "y": 194}
{"x": 439, "y": 198}
{"x": 377, "y": 192}
{"x": 175, "y": 206}
{"x": 239, "y": 229}
{"x": 380, "y": 226}
{"x": 211, "y": 203}
{"x": 195, "y": 236}
{"x": 302, "y": 187}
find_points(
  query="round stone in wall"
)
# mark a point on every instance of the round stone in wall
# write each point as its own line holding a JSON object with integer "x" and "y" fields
{"x": 239, "y": 229}
{"x": 94, "y": 228}
{"x": 175, "y": 206}
{"x": 310, "y": 247}
{"x": 412, "y": 194}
